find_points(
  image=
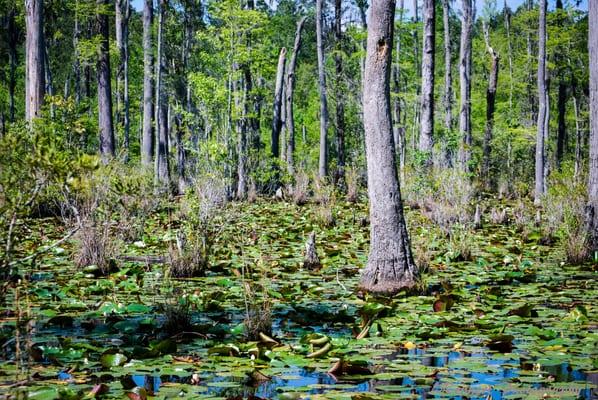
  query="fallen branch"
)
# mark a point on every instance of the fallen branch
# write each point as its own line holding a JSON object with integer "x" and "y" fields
{"x": 44, "y": 249}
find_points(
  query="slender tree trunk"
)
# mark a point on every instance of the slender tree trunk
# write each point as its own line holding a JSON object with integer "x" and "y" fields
{"x": 540, "y": 183}
{"x": 532, "y": 102}
{"x": 180, "y": 155}
{"x": 448, "y": 76}
{"x": 76, "y": 57}
{"x": 390, "y": 266}
{"x": 465, "y": 85}
{"x": 162, "y": 172}
{"x": 561, "y": 138}
{"x": 147, "y": 141}
{"x": 242, "y": 125}
{"x": 418, "y": 72}
{"x": 592, "y": 207}
{"x": 122, "y": 88}
{"x": 290, "y": 86}
{"x": 323, "y": 162}
{"x": 34, "y": 59}
{"x": 398, "y": 128}
{"x": 278, "y": 90}
{"x": 426, "y": 137}
{"x": 510, "y": 55}
{"x": 578, "y": 140}
{"x": 339, "y": 176}
{"x": 105, "y": 124}
{"x": 490, "y": 107}
{"x": 12, "y": 56}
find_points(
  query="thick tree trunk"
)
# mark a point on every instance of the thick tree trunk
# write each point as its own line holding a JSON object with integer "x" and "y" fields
{"x": 34, "y": 59}
{"x": 465, "y": 85}
{"x": 290, "y": 86}
{"x": 426, "y": 137}
{"x": 390, "y": 266}
{"x": 448, "y": 76}
{"x": 592, "y": 207}
{"x": 105, "y": 122}
{"x": 542, "y": 133}
{"x": 277, "y": 117}
{"x": 339, "y": 176}
{"x": 490, "y": 107}
{"x": 162, "y": 171}
{"x": 323, "y": 162}
{"x": 147, "y": 140}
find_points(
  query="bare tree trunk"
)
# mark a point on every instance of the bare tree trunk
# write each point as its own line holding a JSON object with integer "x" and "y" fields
{"x": 426, "y": 137}
{"x": 107, "y": 147}
{"x": 290, "y": 86}
{"x": 398, "y": 128}
{"x": 278, "y": 90}
{"x": 339, "y": 176}
{"x": 448, "y": 76}
{"x": 578, "y": 140}
{"x": 12, "y": 56}
{"x": 162, "y": 172}
{"x": 242, "y": 125}
{"x": 34, "y": 59}
{"x": 390, "y": 266}
{"x": 561, "y": 138}
{"x": 530, "y": 73}
{"x": 540, "y": 183}
{"x": 510, "y": 54}
{"x": 418, "y": 72}
{"x": 592, "y": 207}
{"x": 323, "y": 162}
{"x": 147, "y": 141}
{"x": 123, "y": 13}
{"x": 180, "y": 155}
{"x": 490, "y": 107}
{"x": 76, "y": 58}
{"x": 465, "y": 85}
{"x": 48, "y": 77}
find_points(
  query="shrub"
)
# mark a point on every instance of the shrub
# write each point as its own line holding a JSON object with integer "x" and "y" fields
{"x": 301, "y": 188}
{"x": 258, "y": 312}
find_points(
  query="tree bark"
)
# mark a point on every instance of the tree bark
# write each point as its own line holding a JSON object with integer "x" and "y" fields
{"x": 242, "y": 125}
{"x": 339, "y": 176}
{"x": 542, "y": 133}
{"x": 278, "y": 90}
{"x": 290, "y": 86}
{"x": 592, "y": 206}
{"x": 448, "y": 76}
{"x": 105, "y": 122}
{"x": 390, "y": 266}
{"x": 490, "y": 107}
{"x": 147, "y": 140}
{"x": 323, "y": 161}
{"x": 426, "y": 137}
{"x": 162, "y": 171}
{"x": 465, "y": 85}
{"x": 34, "y": 59}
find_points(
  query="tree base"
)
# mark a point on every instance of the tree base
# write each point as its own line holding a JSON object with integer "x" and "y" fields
{"x": 389, "y": 277}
